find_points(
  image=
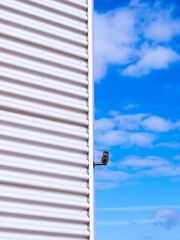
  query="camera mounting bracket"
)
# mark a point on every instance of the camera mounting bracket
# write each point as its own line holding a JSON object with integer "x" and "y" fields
{"x": 104, "y": 159}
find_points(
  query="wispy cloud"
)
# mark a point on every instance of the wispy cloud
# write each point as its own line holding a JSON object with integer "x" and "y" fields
{"x": 177, "y": 157}
{"x": 157, "y": 124}
{"x": 171, "y": 215}
{"x": 135, "y": 222}
{"x": 150, "y": 162}
{"x": 134, "y": 130}
{"x": 134, "y": 122}
{"x": 104, "y": 124}
{"x": 175, "y": 145}
{"x": 138, "y": 38}
{"x": 137, "y": 209}
{"x": 124, "y": 138}
{"x": 114, "y": 39}
{"x": 113, "y": 175}
{"x": 166, "y": 216}
{"x": 130, "y": 106}
{"x": 129, "y": 130}
{"x": 154, "y": 58}
{"x": 133, "y": 168}
{"x": 177, "y": 124}
{"x": 130, "y": 121}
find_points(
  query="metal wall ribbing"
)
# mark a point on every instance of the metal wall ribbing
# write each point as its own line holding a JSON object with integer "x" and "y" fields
{"x": 46, "y": 120}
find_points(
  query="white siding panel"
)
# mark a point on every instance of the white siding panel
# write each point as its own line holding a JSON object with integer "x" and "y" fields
{"x": 43, "y": 96}
{"x": 30, "y": 236}
{"x": 43, "y": 41}
{"x": 62, "y": 8}
{"x": 21, "y": 194}
{"x": 46, "y": 117}
{"x": 39, "y": 82}
{"x": 43, "y": 56}
{"x": 47, "y": 29}
{"x": 45, "y": 126}
{"x": 46, "y": 15}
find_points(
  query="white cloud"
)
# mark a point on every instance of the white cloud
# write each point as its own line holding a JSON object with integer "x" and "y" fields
{"x": 111, "y": 138}
{"x": 163, "y": 171}
{"x": 110, "y": 178}
{"x": 114, "y": 113}
{"x": 161, "y": 27}
{"x": 112, "y": 174}
{"x": 106, "y": 185}
{"x": 133, "y": 122}
{"x": 130, "y": 129}
{"x": 114, "y": 37}
{"x": 155, "y": 58}
{"x": 177, "y": 125}
{"x": 136, "y": 221}
{"x": 177, "y": 157}
{"x": 136, "y": 209}
{"x": 151, "y": 166}
{"x": 120, "y": 38}
{"x": 130, "y": 106}
{"x": 136, "y": 162}
{"x": 104, "y": 124}
{"x": 161, "y": 30}
{"x": 133, "y": 168}
{"x": 171, "y": 215}
{"x": 142, "y": 139}
{"x": 130, "y": 121}
{"x": 125, "y": 139}
{"x": 127, "y": 130}
{"x": 157, "y": 124}
{"x": 174, "y": 145}
{"x": 165, "y": 216}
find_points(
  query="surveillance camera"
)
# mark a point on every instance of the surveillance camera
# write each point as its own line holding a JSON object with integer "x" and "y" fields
{"x": 105, "y": 158}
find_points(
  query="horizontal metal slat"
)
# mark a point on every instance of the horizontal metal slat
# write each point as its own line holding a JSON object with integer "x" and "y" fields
{"x": 69, "y": 24}
{"x": 43, "y": 83}
{"x": 42, "y": 139}
{"x": 8, "y": 235}
{"x": 43, "y": 97}
{"x": 41, "y": 68}
{"x": 61, "y": 8}
{"x": 50, "y": 223}
{"x": 42, "y": 125}
{"x": 37, "y": 181}
{"x": 43, "y": 197}
{"x": 39, "y": 152}
{"x": 45, "y": 227}
{"x": 38, "y": 54}
{"x": 47, "y": 112}
{"x": 79, "y": 3}
{"x": 29, "y": 52}
{"x": 42, "y": 168}
{"x": 44, "y": 212}
{"x": 66, "y": 47}
{"x": 43, "y": 41}
{"x": 42, "y": 28}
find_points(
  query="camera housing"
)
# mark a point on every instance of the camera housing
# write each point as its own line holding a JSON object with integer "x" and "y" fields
{"x": 104, "y": 159}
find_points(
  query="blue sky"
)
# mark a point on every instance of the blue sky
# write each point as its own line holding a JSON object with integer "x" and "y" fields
{"x": 137, "y": 112}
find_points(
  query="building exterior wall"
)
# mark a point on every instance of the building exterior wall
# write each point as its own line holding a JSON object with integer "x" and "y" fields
{"x": 46, "y": 120}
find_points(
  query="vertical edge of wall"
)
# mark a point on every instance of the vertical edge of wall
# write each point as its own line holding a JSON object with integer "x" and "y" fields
{"x": 91, "y": 120}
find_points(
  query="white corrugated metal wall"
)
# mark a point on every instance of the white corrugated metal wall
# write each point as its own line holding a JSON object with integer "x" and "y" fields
{"x": 46, "y": 120}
